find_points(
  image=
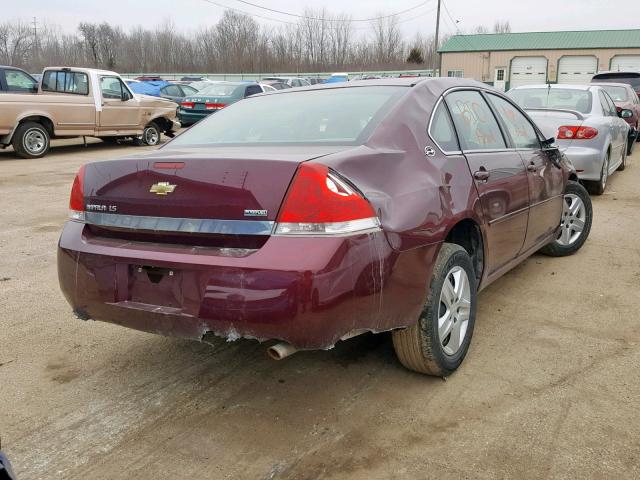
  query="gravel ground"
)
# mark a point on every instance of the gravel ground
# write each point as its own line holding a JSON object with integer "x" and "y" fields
{"x": 549, "y": 389}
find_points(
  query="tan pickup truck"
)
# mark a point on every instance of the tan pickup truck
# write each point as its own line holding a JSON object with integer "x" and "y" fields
{"x": 81, "y": 102}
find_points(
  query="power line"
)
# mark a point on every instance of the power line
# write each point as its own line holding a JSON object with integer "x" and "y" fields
{"x": 271, "y": 19}
{"x": 415, "y": 7}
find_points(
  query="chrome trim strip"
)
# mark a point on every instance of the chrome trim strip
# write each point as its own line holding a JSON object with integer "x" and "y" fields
{"x": 181, "y": 225}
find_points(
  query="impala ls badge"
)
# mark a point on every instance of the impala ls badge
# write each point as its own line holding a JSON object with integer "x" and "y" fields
{"x": 162, "y": 188}
{"x": 256, "y": 213}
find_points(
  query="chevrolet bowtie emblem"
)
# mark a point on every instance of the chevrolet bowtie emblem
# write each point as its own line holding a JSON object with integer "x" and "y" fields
{"x": 162, "y": 188}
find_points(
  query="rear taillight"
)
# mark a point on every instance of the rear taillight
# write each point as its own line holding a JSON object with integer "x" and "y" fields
{"x": 319, "y": 202}
{"x": 187, "y": 104}
{"x": 214, "y": 106}
{"x": 576, "y": 133}
{"x": 76, "y": 200}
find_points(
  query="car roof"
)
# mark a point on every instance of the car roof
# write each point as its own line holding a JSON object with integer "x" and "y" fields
{"x": 565, "y": 86}
{"x": 612, "y": 84}
{"x": 614, "y": 72}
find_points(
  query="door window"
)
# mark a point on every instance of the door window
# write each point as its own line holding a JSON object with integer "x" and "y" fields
{"x": 172, "y": 91}
{"x": 111, "y": 87}
{"x": 522, "y": 132}
{"x": 442, "y": 131}
{"x": 18, "y": 81}
{"x": 252, "y": 90}
{"x": 606, "y": 111}
{"x": 476, "y": 126}
{"x": 188, "y": 90}
{"x": 65, "y": 82}
{"x": 612, "y": 106}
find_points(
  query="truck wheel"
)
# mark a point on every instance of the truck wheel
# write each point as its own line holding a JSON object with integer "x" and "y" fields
{"x": 598, "y": 187}
{"x": 31, "y": 140}
{"x": 150, "y": 135}
{"x": 439, "y": 341}
{"x": 575, "y": 223}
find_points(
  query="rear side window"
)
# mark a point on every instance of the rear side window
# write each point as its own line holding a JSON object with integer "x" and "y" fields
{"x": 442, "y": 131}
{"x": 18, "y": 81}
{"x": 520, "y": 129}
{"x": 65, "y": 82}
{"x": 477, "y": 127}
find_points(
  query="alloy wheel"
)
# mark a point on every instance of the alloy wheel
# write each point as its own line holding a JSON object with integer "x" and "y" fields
{"x": 454, "y": 310}
{"x": 573, "y": 220}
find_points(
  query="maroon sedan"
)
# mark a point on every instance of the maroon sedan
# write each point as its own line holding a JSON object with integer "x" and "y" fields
{"x": 312, "y": 215}
{"x": 628, "y": 106}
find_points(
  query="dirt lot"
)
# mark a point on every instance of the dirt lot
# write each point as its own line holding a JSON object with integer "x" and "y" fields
{"x": 549, "y": 390}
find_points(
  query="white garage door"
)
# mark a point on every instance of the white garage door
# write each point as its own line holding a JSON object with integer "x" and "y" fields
{"x": 627, "y": 63}
{"x": 528, "y": 71}
{"x": 577, "y": 69}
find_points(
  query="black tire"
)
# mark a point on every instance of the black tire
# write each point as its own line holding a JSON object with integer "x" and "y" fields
{"x": 419, "y": 347}
{"x": 557, "y": 248}
{"x": 631, "y": 142}
{"x": 31, "y": 140}
{"x": 625, "y": 152}
{"x": 150, "y": 136}
{"x": 598, "y": 187}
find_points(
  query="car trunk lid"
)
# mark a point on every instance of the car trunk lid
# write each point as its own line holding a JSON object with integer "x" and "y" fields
{"x": 550, "y": 120}
{"x": 196, "y": 195}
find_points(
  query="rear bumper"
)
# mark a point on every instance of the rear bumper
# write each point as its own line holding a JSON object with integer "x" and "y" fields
{"x": 587, "y": 161}
{"x": 309, "y": 292}
{"x": 191, "y": 117}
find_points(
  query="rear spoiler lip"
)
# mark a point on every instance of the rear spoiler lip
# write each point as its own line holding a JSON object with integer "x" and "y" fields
{"x": 579, "y": 116}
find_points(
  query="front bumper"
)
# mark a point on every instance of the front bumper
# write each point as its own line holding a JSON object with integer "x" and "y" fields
{"x": 309, "y": 292}
{"x": 587, "y": 161}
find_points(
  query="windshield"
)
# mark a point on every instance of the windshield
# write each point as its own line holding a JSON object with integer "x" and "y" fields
{"x": 561, "y": 98}
{"x": 618, "y": 94}
{"x": 220, "y": 90}
{"x": 329, "y": 116}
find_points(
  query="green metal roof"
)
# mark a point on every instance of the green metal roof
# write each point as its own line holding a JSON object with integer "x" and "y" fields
{"x": 542, "y": 41}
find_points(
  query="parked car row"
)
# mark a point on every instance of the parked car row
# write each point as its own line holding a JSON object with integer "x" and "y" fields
{"x": 311, "y": 215}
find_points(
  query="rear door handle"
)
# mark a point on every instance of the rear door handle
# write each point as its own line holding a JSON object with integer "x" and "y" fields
{"x": 481, "y": 175}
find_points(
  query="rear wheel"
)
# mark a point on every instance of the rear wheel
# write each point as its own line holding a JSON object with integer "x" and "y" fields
{"x": 598, "y": 187}
{"x": 31, "y": 140}
{"x": 150, "y": 135}
{"x": 575, "y": 223}
{"x": 439, "y": 341}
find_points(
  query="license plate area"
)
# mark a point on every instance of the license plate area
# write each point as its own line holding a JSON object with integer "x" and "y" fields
{"x": 156, "y": 286}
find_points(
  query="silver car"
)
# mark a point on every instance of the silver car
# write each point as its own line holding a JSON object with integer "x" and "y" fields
{"x": 586, "y": 125}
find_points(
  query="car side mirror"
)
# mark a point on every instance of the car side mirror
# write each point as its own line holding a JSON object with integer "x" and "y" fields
{"x": 125, "y": 96}
{"x": 552, "y": 151}
{"x": 625, "y": 113}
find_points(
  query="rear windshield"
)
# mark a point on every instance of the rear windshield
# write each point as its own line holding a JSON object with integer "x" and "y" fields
{"x": 562, "y": 98}
{"x": 341, "y": 116}
{"x": 618, "y": 94}
{"x": 221, "y": 90}
{"x": 632, "y": 79}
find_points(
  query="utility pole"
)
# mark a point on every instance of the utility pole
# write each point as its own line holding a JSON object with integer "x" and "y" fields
{"x": 436, "y": 56}
{"x": 35, "y": 37}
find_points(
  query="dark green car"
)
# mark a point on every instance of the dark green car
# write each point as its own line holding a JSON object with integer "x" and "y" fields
{"x": 215, "y": 97}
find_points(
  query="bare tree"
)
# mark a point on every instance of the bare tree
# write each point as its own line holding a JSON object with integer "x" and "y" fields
{"x": 387, "y": 41}
{"x": 16, "y": 42}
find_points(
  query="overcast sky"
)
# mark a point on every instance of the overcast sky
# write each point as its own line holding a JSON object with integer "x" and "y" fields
{"x": 524, "y": 15}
